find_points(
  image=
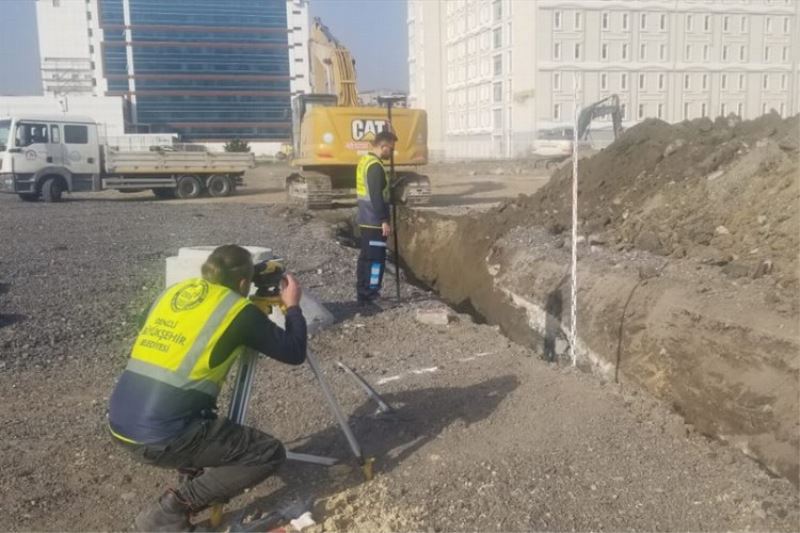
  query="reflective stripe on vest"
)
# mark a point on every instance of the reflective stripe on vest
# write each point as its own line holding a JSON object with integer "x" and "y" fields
{"x": 184, "y": 325}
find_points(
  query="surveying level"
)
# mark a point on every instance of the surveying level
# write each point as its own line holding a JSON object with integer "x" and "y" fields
{"x": 267, "y": 280}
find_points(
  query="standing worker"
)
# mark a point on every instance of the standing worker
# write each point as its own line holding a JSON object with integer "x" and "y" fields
{"x": 372, "y": 190}
{"x": 163, "y": 409}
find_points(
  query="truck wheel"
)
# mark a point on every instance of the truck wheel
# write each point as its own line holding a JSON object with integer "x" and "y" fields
{"x": 164, "y": 193}
{"x": 28, "y": 196}
{"x": 219, "y": 186}
{"x": 52, "y": 189}
{"x": 188, "y": 187}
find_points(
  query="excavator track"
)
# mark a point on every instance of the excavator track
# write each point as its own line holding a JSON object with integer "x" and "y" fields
{"x": 310, "y": 191}
{"x": 414, "y": 189}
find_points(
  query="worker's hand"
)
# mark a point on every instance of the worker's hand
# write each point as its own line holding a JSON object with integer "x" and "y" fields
{"x": 290, "y": 291}
{"x": 386, "y": 229}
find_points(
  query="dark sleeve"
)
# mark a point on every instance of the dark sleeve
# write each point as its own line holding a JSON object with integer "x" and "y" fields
{"x": 376, "y": 179}
{"x": 253, "y": 329}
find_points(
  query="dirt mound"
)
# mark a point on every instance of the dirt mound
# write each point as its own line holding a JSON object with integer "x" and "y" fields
{"x": 723, "y": 192}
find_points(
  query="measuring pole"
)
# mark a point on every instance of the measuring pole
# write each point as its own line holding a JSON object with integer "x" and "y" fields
{"x": 573, "y": 332}
{"x": 394, "y": 211}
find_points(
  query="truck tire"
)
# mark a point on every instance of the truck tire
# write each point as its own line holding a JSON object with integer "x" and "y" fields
{"x": 52, "y": 189}
{"x": 219, "y": 186}
{"x": 188, "y": 187}
{"x": 164, "y": 193}
{"x": 28, "y": 196}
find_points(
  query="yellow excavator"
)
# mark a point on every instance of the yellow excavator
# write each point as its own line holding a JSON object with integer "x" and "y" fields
{"x": 331, "y": 130}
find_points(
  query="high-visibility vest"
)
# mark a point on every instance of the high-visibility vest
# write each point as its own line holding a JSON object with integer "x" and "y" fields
{"x": 367, "y": 215}
{"x": 180, "y": 333}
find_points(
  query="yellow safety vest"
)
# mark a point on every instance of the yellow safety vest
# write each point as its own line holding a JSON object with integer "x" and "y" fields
{"x": 366, "y": 214}
{"x": 179, "y": 335}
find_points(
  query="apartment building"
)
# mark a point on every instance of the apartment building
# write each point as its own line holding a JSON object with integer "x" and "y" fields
{"x": 492, "y": 73}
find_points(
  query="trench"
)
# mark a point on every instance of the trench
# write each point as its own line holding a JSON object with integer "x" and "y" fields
{"x": 731, "y": 378}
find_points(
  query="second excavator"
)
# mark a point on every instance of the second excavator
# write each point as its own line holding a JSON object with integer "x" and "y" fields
{"x": 331, "y": 130}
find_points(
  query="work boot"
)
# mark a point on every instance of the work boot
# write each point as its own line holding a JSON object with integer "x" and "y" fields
{"x": 169, "y": 513}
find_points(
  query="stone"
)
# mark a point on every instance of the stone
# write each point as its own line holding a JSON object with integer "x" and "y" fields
{"x": 648, "y": 241}
{"x": 762, "y": 219}
{"x": 439, "y": 316}
{"x": 673, "y": 147}
{"x": 722, "y": 230}
{"x": 763, "y": 268}
{"x": 715, "y": 175}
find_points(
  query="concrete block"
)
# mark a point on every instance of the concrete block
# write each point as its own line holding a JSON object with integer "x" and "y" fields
{"x": 440, "y": 316}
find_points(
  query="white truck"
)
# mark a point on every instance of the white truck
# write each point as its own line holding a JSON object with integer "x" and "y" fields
{"x": 45, "y": 156}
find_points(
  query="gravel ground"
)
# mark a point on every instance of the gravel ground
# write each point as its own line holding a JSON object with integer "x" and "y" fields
{"x": 487, "y": 436}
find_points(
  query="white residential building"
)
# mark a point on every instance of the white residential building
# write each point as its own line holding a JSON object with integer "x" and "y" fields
{"x": 491, "y": 73}
{"x": 298, "y": 21}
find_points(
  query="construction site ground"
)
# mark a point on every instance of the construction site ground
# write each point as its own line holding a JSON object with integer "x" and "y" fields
{"x": 488, "y": 436}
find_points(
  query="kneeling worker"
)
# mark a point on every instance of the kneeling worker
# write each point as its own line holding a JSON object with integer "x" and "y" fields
{"x": 372, "y": 189}
{"x": 163, "y": 409}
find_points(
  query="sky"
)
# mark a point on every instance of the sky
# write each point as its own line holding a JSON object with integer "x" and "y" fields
{"x": 373, "y": 30}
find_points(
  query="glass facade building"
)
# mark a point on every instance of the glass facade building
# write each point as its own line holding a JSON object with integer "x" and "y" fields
{"x": 210, "y": 70}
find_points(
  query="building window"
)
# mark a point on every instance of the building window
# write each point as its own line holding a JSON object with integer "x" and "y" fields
{"x": 643, "y": 51}
{"x": 623, "y": 81}
{"x": 724, "y": 82}
{"x": 643, "y": 21}
{"x": 783, "y": 82}
{"x": 766, "y": 53}
{"x": 743, "y": 24}
{"x": 557, "y": 20}
{"x": 785, "y": 54}
{"x": 641, "y": 81}
{"x": 604, "y": 51}
{"x": 703, "y": 109}
{"x": 765, "y": 82}
{"x": 556, "y": 51}
{"x": 498, "y": 65}
{"x": 726, "y": 22}
{"x": 498, "y": 119}
{"x": 625, "y": 20}
{"x": 741, "y": 82}
{"x": 641, "y": 111}
{"x": 742, "y": 53}
{"x": 707, "y": 23}
{"x": 90, "y": 32}
{"x": 497, "y": 90}
{"x": 725, "y": 53}
{"x": 722, "y": 109}
{"x": 662, "y": 52}
{"x": 786, "y": 24}
{"x": 88, "y": 15}
{"x": 705, "y": 81}
{"x": 688, "y": 53}
{"x": 557, "y": 112}
{"x": 661, "y": 82}
{"x": 604, "y": 81}
{"x": 497, "y": 35}
{"x": 662, "y": 22}
{"x": 706, "y": 51}
{"x": 577, "y": 50}
{"x": 556, "y": 81}
{"x": 689, "y": 23}
{"x": 740, "y": 109}
{"x": 686, "y": 111}
{"x": 769, "y": 24}
{"x": 625, "y": 51}
{"x": 497, "y": 9}
{"x": 660, "y": 112}
{"x": 604, "y": 20}
{"x": 56, "y": 3}
{"x": 578, "y": 21}
{"x": 686, "y": 81}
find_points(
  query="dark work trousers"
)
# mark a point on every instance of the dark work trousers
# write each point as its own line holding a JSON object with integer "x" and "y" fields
{"x": 233, "y": 457}
{"x": 371, "y": 264}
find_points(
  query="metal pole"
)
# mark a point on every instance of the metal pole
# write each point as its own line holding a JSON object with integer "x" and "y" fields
{"x": 573, "y": 333}
{"x": 394, "y": 213}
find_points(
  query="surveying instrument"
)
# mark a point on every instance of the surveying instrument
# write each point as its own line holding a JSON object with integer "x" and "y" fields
{"x": 267, "y": 279}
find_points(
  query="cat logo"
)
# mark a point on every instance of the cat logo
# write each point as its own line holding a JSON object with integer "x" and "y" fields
{"x": 365, "y": 130}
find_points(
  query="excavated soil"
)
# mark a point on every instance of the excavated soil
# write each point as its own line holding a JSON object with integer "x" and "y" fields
{"x": 687, "y": 273}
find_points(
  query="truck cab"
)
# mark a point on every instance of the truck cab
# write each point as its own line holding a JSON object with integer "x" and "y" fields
{"x": 44, "y": 156}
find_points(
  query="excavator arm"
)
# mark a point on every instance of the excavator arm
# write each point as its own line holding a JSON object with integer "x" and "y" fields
{"x": 606, "y": 106}
{"x": 333, "y": 69}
